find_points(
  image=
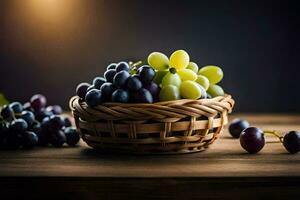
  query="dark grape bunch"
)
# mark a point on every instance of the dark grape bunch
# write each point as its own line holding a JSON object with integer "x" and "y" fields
{"x": 34, "y": 123}
{"x": 252, "y": 138}
{"x": 121, "y": 84}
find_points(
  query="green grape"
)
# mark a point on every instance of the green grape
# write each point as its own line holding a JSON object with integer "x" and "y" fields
{"x": 169, "y": 93}
{"x": 213, "y": 73}
{"x": 159, "y": 75}
{"x": 203, "y": 81}
{"x": 193, "y": 66}
{"x": 190, "y": 90}
{"x": 179, "y": 59}
{"x": 158, "y": 61}
{"x": 187, "y": 74}
{"x": 171, "y": 78}
{"x": 215, "y": 90}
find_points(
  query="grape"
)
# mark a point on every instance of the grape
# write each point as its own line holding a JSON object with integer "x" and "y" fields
{"x": 120, "y": 95}
{"x": 72, "y": 136}
{"x": 158, "y": 61}
{"x": 122, "y": 66}
{"x": 203, "y": 92}
{"x": 213, "y": 73}
{"x": 203, "y": 81}
{"x": 190, "y": 90}
{"x": 111, "y": 66}
{"x": 109, "y": 75}
{"x": 38, "y": 102}
{"x": 252, "y": 139}
{"x": 28, "y": 117}
{"x": 134, "y": 83}
{"x": 7, "y": 112}
{"x": 68, "y": 122}
{"x": 18, "y": 125}
{"x": 169, "y": 93}
{"x": 179, "y": 59}
{"x": 146, "y": 74}
{"x": 237, "y": 126}
{"x": 27, "y": 106}
{"x": 215, "y": 90}
{"x": 3, "y": 130}
{"x": 193, "y": 66}
{"x": 81, "y": 90}
{"x": 90, "y": 88}
{"x": 55, "y": 109}
{"x": 107, "y": 89}
{"x": 58, "y": 138}
{"x": 41, "y": 114}
{"x": 56, "y": 122}
{"x": 35, "y": 127}
{"x": 159, "y": 75}
{"x": 16, "y": 107}
{"x": 98, "y": 82}
{"x": 291, "y": 141}
{"x": 30, "y": 139}
{"x": 171, "y": 78}
{"x": 93, "y": 97}
{"x": 120, "y": 79}
{"x": 154, "y": 90}
{"x": 187, "y": 74}
{"x": 142, "y": 96}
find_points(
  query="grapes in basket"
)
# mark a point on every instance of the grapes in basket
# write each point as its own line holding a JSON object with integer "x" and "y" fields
{"x": 161, "y": 79}
{"x": 33, "y": 123}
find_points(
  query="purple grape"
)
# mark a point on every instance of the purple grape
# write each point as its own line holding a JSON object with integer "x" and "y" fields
{"x": 56, "y": 122}
{"x": 72, "y": 136}
{"x": 38, "y": 102}
{"x": 154, "y": 89}
{"x": 55, "y": 109}
{"x": 109, "y": 75}
{"x": 18, "y": 125}
{"x": 120, "y": 79}
{"x": 58, "y": 138}
{"x": 134, "y": 83}
{"x": 98, "y": 82}
{"x": 237, "y": 126}
{"x": 16, "y": 107}
{"x": 81, "y": 90}
{"x": 41, "y": 114}
{"x": 111, "y": 66}
{"x": 142, "y": 96}
{"x": 121, "y": 96}
{"x": 7, "y": 112}
{"x": 252, "y": 139}
{"x": 146, "y": 74}
{"x": 107, "y": 89}
{"x": 30, "y": 139}
{"x": 28, "y": 117}
{"x": 93, "y": 97}
{"x": 291, "y": 141}
{"x": 122, "y": 66}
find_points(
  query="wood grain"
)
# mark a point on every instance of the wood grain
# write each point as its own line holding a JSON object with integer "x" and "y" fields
{"x": 224, "y": 167}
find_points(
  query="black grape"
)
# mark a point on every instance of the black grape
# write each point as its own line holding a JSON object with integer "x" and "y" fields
{"x": 109, "y": 75}
{"x": 7, "y": 112}
{"x": 18, "y": 125}
{"x": 142, "y": 96}
{"x": 28, "y": 117}
{"x": 291, "y": 141}
{"x": 72, "y": 136}
{"x": 252, "y": 139}
{"x": 134, "y": 83}
{"x": 154, "y": 90}
{"x": 120, "y": 95}
{"x": 93, "y": 97}
{"x": 120, "y": 79}
{"x": 107, "y": 89}
{"x": 237, "y": 126}
{"x": 30, "y": 139}
{"x": 98, "y": 82}
{"x": 111, "y": 66}
{"x": 122, "y": 66}
{"x": 146, "y": 73}
{"x": 17, "y": 107}
{"x": 81, "y": 89}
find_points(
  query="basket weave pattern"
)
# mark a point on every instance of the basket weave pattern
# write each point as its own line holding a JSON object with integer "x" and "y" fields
{"x": 179, "y": 126}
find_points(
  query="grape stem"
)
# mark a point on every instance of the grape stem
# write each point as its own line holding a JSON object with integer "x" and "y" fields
{"x": 274, "y": 133}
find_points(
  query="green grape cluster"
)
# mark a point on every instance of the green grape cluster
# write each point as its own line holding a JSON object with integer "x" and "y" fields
{"x": 180, "y": 78}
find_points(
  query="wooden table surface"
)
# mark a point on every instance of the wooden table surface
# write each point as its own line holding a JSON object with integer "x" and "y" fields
{"x": 224, "y": 167}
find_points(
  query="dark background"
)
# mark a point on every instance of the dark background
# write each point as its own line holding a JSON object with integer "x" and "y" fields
{"x": 49, "y": 46}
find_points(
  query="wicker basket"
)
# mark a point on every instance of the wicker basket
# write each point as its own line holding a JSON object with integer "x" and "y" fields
{"x": 180, "y": 126}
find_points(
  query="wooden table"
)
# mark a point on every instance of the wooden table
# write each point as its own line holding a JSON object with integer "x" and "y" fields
{"x": 223, "y": 171}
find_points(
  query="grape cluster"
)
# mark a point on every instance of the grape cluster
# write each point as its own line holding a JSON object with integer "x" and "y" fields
{"x": 122, "y": 83}
{"x": 252, "y": 138}
{"x": 180, "y": 78}
{"x": 34, "y": 124}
